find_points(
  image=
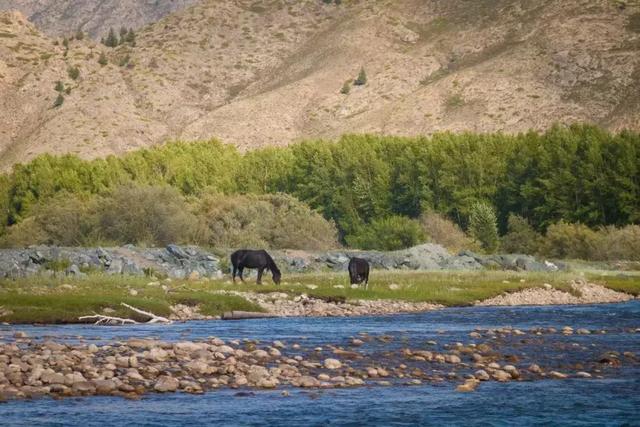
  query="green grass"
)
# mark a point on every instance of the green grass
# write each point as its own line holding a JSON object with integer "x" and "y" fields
{"x": 447, "y": 288}
{"x": 629, "y": 284}
{"x": 45, "y": 300}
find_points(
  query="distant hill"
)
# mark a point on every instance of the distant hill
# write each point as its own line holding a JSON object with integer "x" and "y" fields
{"x": 272, "y": 72}
{"x": 94, "y": 17}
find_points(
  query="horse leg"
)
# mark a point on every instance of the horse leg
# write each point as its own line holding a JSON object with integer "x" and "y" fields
{"x": 260, "y": 271}
{"x": 235, "y": 270}
{"x": 366, "y": 280}
{"x": 240, "y": 270}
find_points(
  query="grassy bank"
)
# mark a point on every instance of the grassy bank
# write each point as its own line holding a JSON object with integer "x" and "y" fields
{"x": 63, "y": 300}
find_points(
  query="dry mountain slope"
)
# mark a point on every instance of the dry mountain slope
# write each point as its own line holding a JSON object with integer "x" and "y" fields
{"x": 95, "y": 17}
{"x": 259, "y": 73}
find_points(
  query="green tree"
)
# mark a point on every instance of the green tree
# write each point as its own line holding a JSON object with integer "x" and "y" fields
{"x": 361, "y": 79}
{"x": 483, "y": 226}
{"x": 130, "y": 37}
{"x": 112, "y": 39}
{"x": 388, "y": 234}
{"x": 521, "y": 237}
{"x": 59, "y": 86}
{"x": 123, "y": 35}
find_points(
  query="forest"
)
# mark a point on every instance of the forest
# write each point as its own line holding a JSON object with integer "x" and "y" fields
{"x": 381, "y": 192}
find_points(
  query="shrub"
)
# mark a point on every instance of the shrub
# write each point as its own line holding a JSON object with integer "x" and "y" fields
{"x": 111, "y": 40}
{"x": 79, "y": 35}
{"x": 388, "y": 234}
{"x": 521, "y": 237}
{"x": 618, "y": 243}
{"x": 346, "y": 88}
{"x": 102, "y": 60}
{"x": 74, "y": 72}
{"x": 445, "y": 232}
{"x": 148, "y": 215}
{"x": 59, "y": 101}
{"x": 59, "y": 86}
{"x": 64, "y": 220}
{"x": 270, "y": 221}
{"x": 563, "y": 240}
{"x": 483, "y": 226}
{"x": 361, "y": 80}
{"x": 27, "y": 232}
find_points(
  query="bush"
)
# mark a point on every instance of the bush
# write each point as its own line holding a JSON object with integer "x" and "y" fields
{"x": 521, "y": 237}
{"x": 483, "y": 226}
{"x": 27, "y": 232}
{"x": 575, "y": 241}
{"x": 388, "y": 234}
{"x": 64, "y": 220}
{"x": 618, "y": 243}
{"x": 59, "y": 86}
{"x": 111, "y": 40}
{"x": 445, "y": 232}
{"x": 102, "y": 60}
{"x": 58, "y": 101}
{"x": 361, "y": 80}
{"x": 148, "y": 215}
{"x": 271, "y": 221}
{"x": 74, "y": 72}
{"x": 346, "y": 88}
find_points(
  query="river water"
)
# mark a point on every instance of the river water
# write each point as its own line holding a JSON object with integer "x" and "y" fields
{"x": 612, "y": 400}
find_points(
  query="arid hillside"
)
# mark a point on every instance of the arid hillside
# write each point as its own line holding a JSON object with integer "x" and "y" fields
{"x": 273, "y": 72}
{"x": 94, "y": 17}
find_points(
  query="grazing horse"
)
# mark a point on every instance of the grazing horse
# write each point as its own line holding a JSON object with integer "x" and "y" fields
{"x": 259, "y": 259}
{"x": 359, "y": 271}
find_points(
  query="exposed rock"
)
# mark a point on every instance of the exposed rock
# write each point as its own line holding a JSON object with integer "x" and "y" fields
{"x": 166, "y": 384}
{"x": 332, "y": 364}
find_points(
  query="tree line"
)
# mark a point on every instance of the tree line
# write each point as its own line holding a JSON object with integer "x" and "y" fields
{"x": 574, "y": 174}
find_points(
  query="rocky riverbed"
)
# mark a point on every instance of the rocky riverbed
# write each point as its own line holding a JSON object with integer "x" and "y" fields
{"x": 31, "y": 368}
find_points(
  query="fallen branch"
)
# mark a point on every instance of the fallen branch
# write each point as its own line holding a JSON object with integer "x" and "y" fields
{"x": 154, "y": 318}
{"x": 110, "y": 320}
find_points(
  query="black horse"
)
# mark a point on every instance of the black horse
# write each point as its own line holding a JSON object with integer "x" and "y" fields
{"x": 359, "y": 271}
{"x": 259, "y": 259}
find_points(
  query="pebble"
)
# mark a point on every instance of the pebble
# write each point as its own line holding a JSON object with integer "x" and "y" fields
{"x": 332, "y": 364}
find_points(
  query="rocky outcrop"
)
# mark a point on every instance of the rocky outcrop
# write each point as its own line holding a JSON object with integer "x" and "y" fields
{"x": 190, "y": 262}
{"x": 173, "y": 261}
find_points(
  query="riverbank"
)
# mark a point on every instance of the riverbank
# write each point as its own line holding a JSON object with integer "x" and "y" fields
{"x": 65, "y": 299}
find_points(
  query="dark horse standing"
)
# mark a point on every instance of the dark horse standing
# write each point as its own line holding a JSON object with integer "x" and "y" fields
{"x": 359, "y": 271}
{"x": 259, "y": 259}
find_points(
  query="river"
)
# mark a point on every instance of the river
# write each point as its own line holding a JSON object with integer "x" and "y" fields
{"x": 613, "y": 399}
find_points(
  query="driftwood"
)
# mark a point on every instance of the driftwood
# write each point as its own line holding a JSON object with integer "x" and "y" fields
{"x": 110, "y": 320}
{"x": 154, "y": 318}
{"x": 239, "y": 315}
